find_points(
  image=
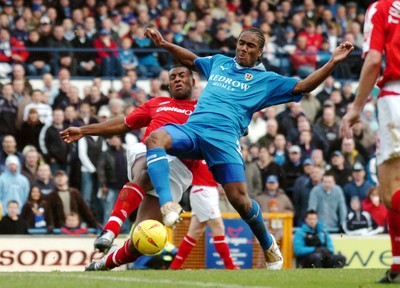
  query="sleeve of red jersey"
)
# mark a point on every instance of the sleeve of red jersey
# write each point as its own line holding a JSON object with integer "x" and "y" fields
{"x": 140, "y": 117}
{"x": 374, "y": 28}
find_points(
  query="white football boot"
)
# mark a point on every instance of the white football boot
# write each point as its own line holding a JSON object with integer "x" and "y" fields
{"x": 171, "y": 213}
{"x": 273, "y": 256}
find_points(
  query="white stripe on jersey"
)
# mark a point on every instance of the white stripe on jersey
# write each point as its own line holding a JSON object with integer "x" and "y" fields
{"x": 368, "y": 27}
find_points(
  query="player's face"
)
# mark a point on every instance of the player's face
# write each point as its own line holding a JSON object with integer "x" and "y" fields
{"x": 180, "y": 83}
{"x": 248, "y": 49}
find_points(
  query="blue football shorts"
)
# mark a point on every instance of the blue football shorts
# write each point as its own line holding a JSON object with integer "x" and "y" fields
{"x": 223, "y": 158}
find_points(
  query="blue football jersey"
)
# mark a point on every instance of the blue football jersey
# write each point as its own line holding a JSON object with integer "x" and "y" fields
{"x": 233, "y": 94}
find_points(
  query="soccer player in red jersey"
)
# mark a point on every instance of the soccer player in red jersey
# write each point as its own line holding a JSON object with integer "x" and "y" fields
{"x": 381, "y": 37}
{"x": 205, "y": 211}
{"x": 153, "y": 114}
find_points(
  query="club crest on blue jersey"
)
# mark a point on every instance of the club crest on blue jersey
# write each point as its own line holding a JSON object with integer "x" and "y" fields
{"x": 248, "y": 76}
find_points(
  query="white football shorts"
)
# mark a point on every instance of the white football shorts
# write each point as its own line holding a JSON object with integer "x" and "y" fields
{"x": 204, "y": 201}
{"x": 179, "y": 176}
{"x": 389, "y": 128}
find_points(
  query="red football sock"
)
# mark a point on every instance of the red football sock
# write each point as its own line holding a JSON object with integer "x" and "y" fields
{"x": 184, "y": 250}
{"x": 223, "y": 251}
{"x": 129, "y": 198}
{"x": 121, "y": 256}
{"x": 394, "y": 230}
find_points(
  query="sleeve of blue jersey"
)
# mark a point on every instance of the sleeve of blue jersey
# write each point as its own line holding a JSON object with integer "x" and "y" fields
{"x": 280, "y": 89}
{"x": 204, "y": 64}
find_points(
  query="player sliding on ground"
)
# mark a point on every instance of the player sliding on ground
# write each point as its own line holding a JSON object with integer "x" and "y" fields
{"x": 236, "y": 89}
{"x": 153, "y": 114}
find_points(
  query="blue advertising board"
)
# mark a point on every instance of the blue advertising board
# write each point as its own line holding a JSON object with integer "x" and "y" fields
{"x": 239, "y": 238}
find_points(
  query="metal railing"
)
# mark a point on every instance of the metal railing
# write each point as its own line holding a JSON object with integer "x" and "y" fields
{"x": 282, "y": 58}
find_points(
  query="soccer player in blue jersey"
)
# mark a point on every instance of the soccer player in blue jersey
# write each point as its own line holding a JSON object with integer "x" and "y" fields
{"x": 237, "y": 88}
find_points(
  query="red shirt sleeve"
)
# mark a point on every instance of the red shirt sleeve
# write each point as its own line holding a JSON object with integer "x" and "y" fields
{"x": 140, "y": 117}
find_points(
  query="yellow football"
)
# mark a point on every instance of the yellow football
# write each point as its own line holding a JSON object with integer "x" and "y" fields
{"x": 149, "y": 237}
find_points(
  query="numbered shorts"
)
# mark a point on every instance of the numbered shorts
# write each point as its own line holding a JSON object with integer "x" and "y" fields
{"x": 389, "y": 128}
{"x": 204, "y": 201}
{"x": 180, "y": 177}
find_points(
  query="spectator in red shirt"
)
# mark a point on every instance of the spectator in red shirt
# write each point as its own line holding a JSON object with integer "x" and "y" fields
{"x": 11, "y": 52}
{"x": 314, "y": 39}
{"x": 373, "y": 205}
{"x": 108, "y": 59}
{"x": 304, "y": 58}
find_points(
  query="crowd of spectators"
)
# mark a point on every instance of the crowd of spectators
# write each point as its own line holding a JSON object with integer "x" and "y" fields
{"x": 106, "y": 38}
{"x": 295, "y": 160}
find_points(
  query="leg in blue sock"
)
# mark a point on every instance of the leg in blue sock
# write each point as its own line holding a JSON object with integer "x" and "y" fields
{"x": 158, "y": 169}
{"x": 273, "y": 255}
{"x": 254, "y": 219}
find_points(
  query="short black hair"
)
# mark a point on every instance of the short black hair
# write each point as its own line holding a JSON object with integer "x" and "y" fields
{"x": 311, "y": 212}
{"x": 182, "y": 66}
{"x": 258, "y": 32}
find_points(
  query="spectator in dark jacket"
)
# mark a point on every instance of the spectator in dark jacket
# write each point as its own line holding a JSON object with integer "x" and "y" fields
{"x": 38, "y": 61}
{"x": 63, "y": 58}
{"x": 8, "y": 112}
{"x": 339, "y": 170}
{"x": 112, "y": 173}
{"x": 33, "y": 209}
{"x": 20, "y": 32}
{"x": 86, "y": 60}
{"x": 293, "y": 168}
{"x": 55, "y": 151}
{"x": 30, "y": 130}
{"x": 64, "y": 200}
{"x": 359, "y": 222}
{"x": 12, "y": 222}
{"x": 44, "y": 179}
{"x": 222, "y": 41}
{"x": 267, "y": 167}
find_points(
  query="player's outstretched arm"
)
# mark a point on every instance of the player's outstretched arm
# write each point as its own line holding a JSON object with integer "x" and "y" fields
{"x": 369, "y": 74}
{"x": 110, "y": 127}
{"x": 184, "y": 56}
{"x": 317, "y": 77}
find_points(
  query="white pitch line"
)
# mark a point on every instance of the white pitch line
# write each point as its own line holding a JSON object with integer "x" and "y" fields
{"x": 166, "y": 281}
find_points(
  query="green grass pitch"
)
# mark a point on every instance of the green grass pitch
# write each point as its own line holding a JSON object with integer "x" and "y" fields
{"x": 259, "y": 278}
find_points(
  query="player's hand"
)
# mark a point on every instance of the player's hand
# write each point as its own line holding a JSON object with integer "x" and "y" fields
{"x": 154, "y": 35}
{"x": 342, "y": 51}
{"x": 348, "y": 120}
{"x": 71, "y": 134}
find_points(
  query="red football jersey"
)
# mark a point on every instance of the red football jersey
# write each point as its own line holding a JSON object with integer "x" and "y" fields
{"x": 159, "y": 111}
{"x": 382, "y": 33}
{"x": 201, "y": 174}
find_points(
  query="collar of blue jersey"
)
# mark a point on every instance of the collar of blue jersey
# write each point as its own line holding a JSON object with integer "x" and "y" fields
{"x": 258, "y": 66}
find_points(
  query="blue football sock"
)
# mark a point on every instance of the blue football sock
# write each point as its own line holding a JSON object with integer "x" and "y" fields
{"x": 255, "y": 220}
{"x": 158, "y": 169}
